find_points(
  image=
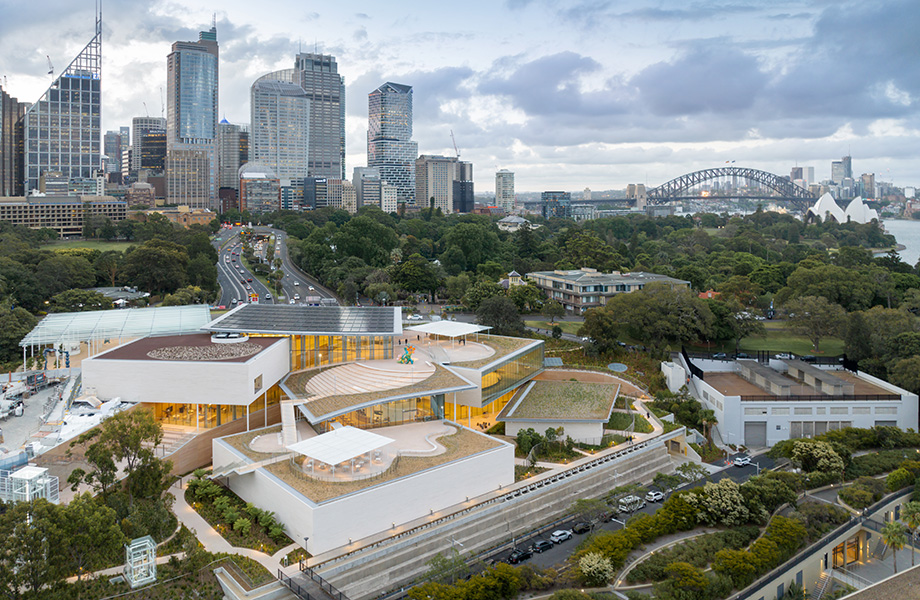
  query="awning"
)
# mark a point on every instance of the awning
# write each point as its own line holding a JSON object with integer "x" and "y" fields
{"x": 449, "y": 329}
{"x": 340, "y": 445}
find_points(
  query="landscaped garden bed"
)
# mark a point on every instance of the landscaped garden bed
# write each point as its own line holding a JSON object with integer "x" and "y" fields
{"x": 698, "y": 552}
{"x": 621, "y": 421}
{"x": 240, "y": 523}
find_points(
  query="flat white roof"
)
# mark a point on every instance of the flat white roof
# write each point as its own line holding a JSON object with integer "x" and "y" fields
{"x": 449, "y": 329}
{"x": 58, "y": 328}
{"x": 340, "y": 445}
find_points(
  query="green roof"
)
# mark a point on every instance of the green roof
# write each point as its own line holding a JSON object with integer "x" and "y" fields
{"x": 561, "y": 401}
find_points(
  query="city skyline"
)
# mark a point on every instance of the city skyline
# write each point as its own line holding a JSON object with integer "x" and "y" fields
{"x": 592, "y": 95}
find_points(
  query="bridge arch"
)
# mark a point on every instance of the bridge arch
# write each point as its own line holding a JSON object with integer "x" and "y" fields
{"x": 787, "y": 190}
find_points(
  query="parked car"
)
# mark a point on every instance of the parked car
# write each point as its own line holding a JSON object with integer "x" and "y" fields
{"x": 542, "y": 546}
{"x": 415, "y": 318}
{"x": 810, "y": 358}
{"x": 519, "y": 555}
{"x": 742, "y": 355}
{"x": 742, "y": 461}
{"x": 654, "y": 496}
{"x": 783, "y": 356}
{"x": 581, "y": 527}
{"x": 560, "y": 535}
{"x": 720, "y": 356}
{"x": 631, "y": 504}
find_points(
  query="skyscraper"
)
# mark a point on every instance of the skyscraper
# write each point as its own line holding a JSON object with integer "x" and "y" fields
{"x": 11, "y": 113}
{"x": 389, "y": 137}
{"x": 434, "y": 179}
{"x": 464, "y": 199}
{"x": 556, "y": 204}
{"x": 191, "y": 121}
{"x": 62, "y": 131}
{"x": 280, "y": 137}
{"x": 317, "y": 75}
{"x": 139, "y": 127}
{"x": 838, "y": 171}
{"x": 232, "y": 153}
{"x": 504, "y": 190}
{"x": 114, "y": 144}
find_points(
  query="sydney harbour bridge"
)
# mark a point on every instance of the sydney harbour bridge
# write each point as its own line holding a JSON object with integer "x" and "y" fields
{"x": 767, "y": 186}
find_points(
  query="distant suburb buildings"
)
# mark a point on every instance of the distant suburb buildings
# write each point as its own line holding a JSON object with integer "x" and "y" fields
{"x": 579, "y": 290}
{"x": 504, "y": 190}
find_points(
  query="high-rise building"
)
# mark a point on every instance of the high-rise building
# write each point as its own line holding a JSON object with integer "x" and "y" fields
{"x": 232, "y": 153}
{"x": 260, "y": 189}
{"x": 315, "y": 193}
{"x": 62, "y": 131}
{"x": 809, "y": 176}
{"x": 389, "y": 137}
{"x": 366, "y": 181}
{"x": 11, "y": 113}
{"x": 191, "y": 121}
{"x": 796, "y": 173}
{"x": 280, "y": 137}
{"x": 139, "y": 127}
{"x": 341, "y": 194}
{"x": 556, "y": 204}
{"x": 866, "y": 185}
{"x": 504, "y": 190}
{"x": 838, "y": 171}
{"x": 317, "y": 75}
{"x": 389, "y": 201}
{"x": 434, "y": 180}
{"x": 113, "y": 146}
{"x": 153, "y": 151}
{"x": 464, "y": 200}
{"x": 847, "y": 166}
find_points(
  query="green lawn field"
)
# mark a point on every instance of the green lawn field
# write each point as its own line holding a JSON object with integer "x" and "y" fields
{"x": 778, "y": 339}
{"x": 91, "y": 244}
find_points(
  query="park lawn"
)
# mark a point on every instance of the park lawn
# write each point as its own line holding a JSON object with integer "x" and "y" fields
{"x": 779, "y": 339}
{"x": 571, "y": 327}
{"x": 91, "y": 244}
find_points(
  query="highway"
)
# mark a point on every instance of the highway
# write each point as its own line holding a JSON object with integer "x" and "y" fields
{"x": 233, "y": 283}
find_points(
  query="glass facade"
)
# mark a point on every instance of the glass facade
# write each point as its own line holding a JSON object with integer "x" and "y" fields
{"x": 399, "y": 412}
{"x": 308, "y": 351}
{"x": 208, "y": 416}
{"x": 318, "y": 75}
{"x": 509, "y": 374}
{"x": 62, "y": 131}
{"x": 389, "y": 138}
{"x": 280, "y": 125}
{"x": 465, "y": 415}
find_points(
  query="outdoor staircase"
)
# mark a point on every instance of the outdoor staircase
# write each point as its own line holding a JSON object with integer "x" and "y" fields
{"x": 173, "y": 439}
{"x": 824, "y": 582}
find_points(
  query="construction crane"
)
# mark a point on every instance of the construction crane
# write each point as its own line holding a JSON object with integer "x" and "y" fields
{"x": 145, "y": 110}
{"x": 457, "y": 150}
{"x": 162, "y": 103}
{"x": 50, "y": 66}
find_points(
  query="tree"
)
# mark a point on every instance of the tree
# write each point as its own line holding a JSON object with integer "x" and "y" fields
{"x": 480, "y": 292}
{"x": 528, "y": 297}
{"x": 910, "y": 514}
{"x": 721, "y": 502}
{"x": 78, "y": 301}
{"x": 708, "y": 419}
{"x": 90, "y": 534}
{"x": 552, "y": 310}
{"x": 15, "y": 323}
{"x": 501, "y": 315}
{"x": 108, "y": 267}
{"x": 906, "y": 374}
{"x": 661, "y": 314}
{"x": 591, "y": 510}
{"x": 158, "y": 266}
{"x": 596, "y": 569}
{"x": 691, "y": 471}
{"x": 815, "y": 455}
{"x": 447, "y": 568}
{"x": 894, "y": 536}
{"x": 815, "y": 318}
{"x": 187, "y": 295}
{"x": 416, "y": 274}
{"x": 666, "y": 482}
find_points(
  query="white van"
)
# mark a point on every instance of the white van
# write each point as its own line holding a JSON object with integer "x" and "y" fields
{"x": 630, "y": 504}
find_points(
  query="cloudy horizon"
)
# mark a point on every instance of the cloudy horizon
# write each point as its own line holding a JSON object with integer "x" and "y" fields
{"x": 588, "y": 93}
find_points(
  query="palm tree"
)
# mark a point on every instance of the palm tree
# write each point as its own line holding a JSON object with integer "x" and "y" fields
{"x": 708, "y": 419}
{"x": 893, "y": 534}
{"x": 910, "y": 514}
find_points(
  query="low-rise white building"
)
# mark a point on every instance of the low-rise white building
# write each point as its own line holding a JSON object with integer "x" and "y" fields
{"x": 760, "y": 404}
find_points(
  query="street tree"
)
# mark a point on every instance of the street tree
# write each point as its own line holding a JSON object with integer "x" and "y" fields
{"x": 552, "y": 310}
{"x": 910, "y": 514}
{"x": 815, "y": 318}
{"x": 666, "y": 482}
{"x": 528, "y": 298}
{"x": 590, "y": 510}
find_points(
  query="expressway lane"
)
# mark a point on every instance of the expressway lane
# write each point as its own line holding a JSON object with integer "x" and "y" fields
{"x": 295, "y": 282}
{"x": 231, "y": 273}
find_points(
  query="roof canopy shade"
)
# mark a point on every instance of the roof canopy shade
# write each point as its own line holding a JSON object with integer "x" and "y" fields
{"x": 448, "y": 329}
{"x": 95, "y": 325}
{"x": 287, "y": 319}
{"x": 340, "y": 445}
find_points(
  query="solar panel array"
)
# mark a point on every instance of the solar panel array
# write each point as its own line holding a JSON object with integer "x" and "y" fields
{"x": 310, "y": 320}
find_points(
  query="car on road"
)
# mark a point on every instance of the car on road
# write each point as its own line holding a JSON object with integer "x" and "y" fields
{"x": 581, "y": 527}
{"x": 542, "y": 546}
{"x": 268, "y": 296}
{"x": 415, "y": 318}
{"x": 310, "y": 288}
{"x": 249, "y": 279}
{"x": 296, "y": 283}
{"x": 519, "y": 555}
{"x": 742, "y": 461}
{"x": 234, "y": 302}
{"x": 720, "y": 356}
{"x": 654, "y": 496}
{"x": 560, "y": 535}
{"x": 742, "y": 355}
{"x": 292, "y": 301}
{"x": 296, "y": 296}
{"x": 783, "y": 356}
{"x": 810, "y": 359}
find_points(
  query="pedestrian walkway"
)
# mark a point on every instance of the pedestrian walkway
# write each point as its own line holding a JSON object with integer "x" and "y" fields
{"x": 637, "y": 556}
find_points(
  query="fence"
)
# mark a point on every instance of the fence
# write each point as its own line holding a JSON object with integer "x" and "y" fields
{"x": 325, "y": 585}
{"x": 823, "y": 398}
{"x": 295, "y": 587}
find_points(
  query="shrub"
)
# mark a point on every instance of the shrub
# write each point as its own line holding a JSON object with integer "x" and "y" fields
{"x": 720, "y": 502}
{"x": 697, "y": 552}
{"x": 243, "y": 525}
{"x": 899, "y": 479}
{"x": 596, "y": 569}
{"x": 875, "y": 463}
{"x": 857, "y": 498}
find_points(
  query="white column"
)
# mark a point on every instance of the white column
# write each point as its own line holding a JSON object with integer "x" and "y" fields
{"x": 265, "y": 406}
{"x": 247, "y": 417}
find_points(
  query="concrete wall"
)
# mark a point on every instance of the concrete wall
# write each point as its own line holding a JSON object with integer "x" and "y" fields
{"x": 468, "y": 397}
{"x": 355, "y": 516}
{"x": 392, "y": 562}
{"x": 675, "y": 375}
{"x": 195, "y": 382}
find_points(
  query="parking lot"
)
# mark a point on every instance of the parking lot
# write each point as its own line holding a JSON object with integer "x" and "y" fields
{"x": 17, "y": 430}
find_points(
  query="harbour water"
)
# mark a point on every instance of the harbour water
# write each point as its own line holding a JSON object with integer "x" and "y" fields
{"x": 907, "y": 233}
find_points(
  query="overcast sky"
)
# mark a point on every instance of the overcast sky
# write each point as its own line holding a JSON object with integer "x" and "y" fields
{"x": 567, "y": 94}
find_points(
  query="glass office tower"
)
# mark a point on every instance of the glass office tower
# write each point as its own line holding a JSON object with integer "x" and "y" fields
{"x": 280, "y": 135}
{"x": 62, "y": 131}
{"x": 317, "y": 75}
{"x": 389, "y": 138}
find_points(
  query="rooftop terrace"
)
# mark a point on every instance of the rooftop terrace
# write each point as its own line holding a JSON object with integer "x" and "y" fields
{"x": 562, "y": 400}
{"x": 195, "y": 347}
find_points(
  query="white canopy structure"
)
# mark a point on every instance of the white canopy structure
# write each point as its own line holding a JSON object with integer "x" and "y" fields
{"x": 826, "y": 207}
{"x": 858, "y": 212}
{"x": 90, "y": 326}
{"x": 340, "y": 445}
{"x": 448, "y": 329}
